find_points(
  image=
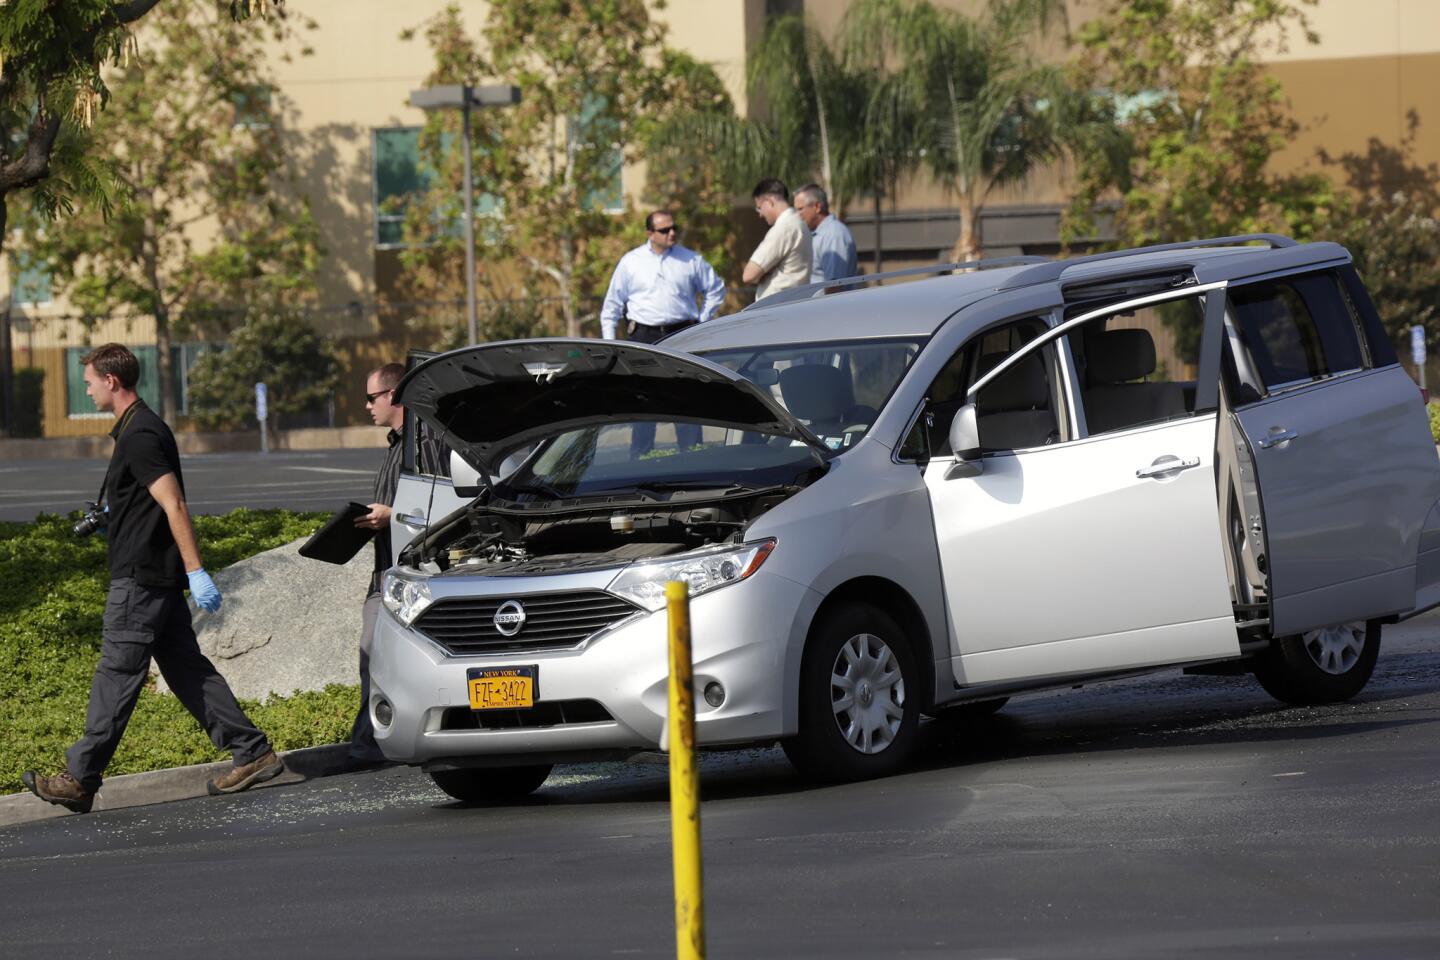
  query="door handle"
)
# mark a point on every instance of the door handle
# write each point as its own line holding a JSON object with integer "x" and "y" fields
{"x": 1277, "y": 437}
{"x": 411, "y": 519}
{"x": 1166, "y": 465}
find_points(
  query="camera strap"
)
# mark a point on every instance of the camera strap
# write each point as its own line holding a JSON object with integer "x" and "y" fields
{"x": 105, "y": 482}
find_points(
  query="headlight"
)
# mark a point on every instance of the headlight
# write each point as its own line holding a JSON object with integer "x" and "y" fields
{"x": 703, "y": 571}
{"x": 405, "y": 596}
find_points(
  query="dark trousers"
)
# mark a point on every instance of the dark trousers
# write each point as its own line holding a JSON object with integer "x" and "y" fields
{"x": 642, "y": 435}
{"x": 362, "y": 731}
{"x": 140, "y": 623}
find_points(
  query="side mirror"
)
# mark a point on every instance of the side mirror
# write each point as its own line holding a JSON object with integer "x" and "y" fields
{"x": 464, "y": 477}
{"x": 965, "y": 434}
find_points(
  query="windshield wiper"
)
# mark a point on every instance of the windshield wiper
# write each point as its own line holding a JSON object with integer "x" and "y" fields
{"x": 539, "y": 488}
{"x": 662, "y": 486}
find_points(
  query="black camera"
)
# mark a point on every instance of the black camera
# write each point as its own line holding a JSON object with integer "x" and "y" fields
{"x": 93, "y": 519}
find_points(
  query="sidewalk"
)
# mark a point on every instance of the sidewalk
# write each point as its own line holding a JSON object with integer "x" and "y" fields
{"x": 177, "y": 783}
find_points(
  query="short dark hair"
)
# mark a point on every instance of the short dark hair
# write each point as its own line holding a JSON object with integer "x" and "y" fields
{"x": 650, "y": 218}
{"x": 770, "y": 187}
{"x": 389, "y": 375}
{"x": 114, "y": 359}
{"x": 816, "y": 191}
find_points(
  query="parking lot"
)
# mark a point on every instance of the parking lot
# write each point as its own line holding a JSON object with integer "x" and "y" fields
{"x": 319, "y": 480}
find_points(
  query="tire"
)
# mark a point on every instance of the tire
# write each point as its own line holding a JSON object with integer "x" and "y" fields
{"x": 1321, "y": 666}
{"x": 491, "y": 784}
{"x": 859, "y": 698}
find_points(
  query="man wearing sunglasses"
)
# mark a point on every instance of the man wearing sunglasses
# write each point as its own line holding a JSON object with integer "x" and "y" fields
{"x": 656, "y": 286}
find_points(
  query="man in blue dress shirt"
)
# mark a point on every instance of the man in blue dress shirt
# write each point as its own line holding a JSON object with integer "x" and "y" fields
{"x": 833, "y": 246}
{"x": 655, "y": 286}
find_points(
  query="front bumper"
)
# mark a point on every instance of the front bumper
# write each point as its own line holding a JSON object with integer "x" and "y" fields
{"x": 746, "y": 636}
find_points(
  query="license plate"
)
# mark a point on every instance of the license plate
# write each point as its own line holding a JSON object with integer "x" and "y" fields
{"x": 503, "y": 688}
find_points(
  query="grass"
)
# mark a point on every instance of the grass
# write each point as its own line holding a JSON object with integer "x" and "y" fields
{"x": 52, "y": 596}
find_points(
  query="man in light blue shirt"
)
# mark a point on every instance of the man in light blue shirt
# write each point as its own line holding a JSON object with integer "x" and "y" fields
{"x": 834, "y": 248}
{"x": 656, "y": 284}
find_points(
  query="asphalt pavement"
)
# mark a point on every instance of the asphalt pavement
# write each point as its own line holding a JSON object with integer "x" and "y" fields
{"x": 319, "y": 480}
{"x": 1163, "y": 817}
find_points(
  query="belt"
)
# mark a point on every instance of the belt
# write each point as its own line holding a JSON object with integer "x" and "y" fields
{"x": 669, "y": 324}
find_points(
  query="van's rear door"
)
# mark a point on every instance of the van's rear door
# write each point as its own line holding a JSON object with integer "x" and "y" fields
{"x": 1342, "y": 451}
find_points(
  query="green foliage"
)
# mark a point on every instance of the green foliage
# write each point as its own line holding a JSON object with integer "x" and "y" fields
{"x": 29, "y": 401}
{"x": 177, "y": 140}
{"x": 1203, "y": 120}
{"x": 52, "y": 595}
{"x": 1392, "y": 229}
{"x": 1433, "y": 409}
{"x": 588, "y": 75}
{"x": 297, "y": 365}
{"x": 57, "y": 59}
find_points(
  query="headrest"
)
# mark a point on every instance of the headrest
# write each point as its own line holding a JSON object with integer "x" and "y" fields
{"x": 816, "y": 391}
{"x": 1116, "y": 356}
{"x": 1022, "y": 387}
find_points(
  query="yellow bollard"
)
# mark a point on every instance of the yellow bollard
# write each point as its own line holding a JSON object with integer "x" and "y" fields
{"x": 684, "y": 783}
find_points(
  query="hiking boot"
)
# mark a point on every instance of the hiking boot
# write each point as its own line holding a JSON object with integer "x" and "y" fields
{"x": 267, "y": 767}
{"x": 61, "y": 788}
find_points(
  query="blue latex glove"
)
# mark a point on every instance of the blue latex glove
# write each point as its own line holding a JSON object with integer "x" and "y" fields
{"x": 203, "y": 589}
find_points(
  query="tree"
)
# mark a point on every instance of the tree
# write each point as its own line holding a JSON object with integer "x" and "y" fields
{"x": 1392, "y": 229}
{"x": 588, "y": 75}
{"x": 984, "y": 112}
{"x": 1203, "y": 118}
{"x": 51, "y": 82}
{"x": 297, "y": 365}
{"x": 210, "y": 229}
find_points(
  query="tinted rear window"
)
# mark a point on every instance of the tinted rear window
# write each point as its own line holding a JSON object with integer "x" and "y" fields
{"x": 1296, "y": 329}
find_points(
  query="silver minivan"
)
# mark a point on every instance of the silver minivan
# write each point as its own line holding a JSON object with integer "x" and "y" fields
{"x": 924, "y": 496}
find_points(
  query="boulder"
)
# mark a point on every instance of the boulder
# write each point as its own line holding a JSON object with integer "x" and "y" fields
{"x": 286, "y": 624}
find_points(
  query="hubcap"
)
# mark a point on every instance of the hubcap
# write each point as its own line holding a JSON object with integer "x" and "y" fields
{"x": 867, "y": 693}
{"x": 1336, "y": 649}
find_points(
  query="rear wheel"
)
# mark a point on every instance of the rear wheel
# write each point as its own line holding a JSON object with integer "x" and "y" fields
{"x": 491, "y": 784}
{"x": 1327, "y": 665}
{"x": 859, "y": 699}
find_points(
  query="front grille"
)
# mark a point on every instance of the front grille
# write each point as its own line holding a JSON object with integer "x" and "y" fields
{"x": 545, "y": 713}
{"x": 465, "y": 626}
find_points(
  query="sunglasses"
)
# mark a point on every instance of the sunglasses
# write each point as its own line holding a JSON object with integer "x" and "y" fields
{"x": 370, "y": 397}
{"x": 673, "y": 228}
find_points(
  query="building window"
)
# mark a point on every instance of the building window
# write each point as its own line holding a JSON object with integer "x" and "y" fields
{"x": 31, "y": 281}
{"x": 401, "y": 174}
{"x": 79, "y": 406}
{"x": 252, "y": 107}
{"x": 594, "y": 129}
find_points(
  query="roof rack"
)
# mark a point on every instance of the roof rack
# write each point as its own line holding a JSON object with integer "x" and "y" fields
{"x": 1051, "y": 270}
{"x": 812, "y": 290}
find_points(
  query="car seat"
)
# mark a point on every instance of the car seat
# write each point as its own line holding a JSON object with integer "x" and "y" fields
{"x": 1113, "y": 401}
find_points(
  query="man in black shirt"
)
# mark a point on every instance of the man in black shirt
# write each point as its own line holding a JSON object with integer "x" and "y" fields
{"x": 153, "y": 554}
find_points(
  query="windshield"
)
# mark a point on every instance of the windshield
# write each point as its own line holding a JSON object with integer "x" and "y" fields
{"x": 660, "y": 457}
{"x": 835, "y": 389}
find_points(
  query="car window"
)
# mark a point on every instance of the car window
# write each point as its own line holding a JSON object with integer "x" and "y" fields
{"x": 835, "y": 389}
{"x": 1013, "y": 411}
{"x": 1139, "y": 366}
{"x": 1296, "y": 329}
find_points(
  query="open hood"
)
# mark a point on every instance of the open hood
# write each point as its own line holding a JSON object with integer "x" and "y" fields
{"x": 488, "y": 400}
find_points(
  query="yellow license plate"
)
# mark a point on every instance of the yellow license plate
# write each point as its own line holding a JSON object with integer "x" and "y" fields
{"x": 502, "y": 688}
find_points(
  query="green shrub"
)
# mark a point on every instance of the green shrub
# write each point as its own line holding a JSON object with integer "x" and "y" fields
{"x": 1433, "y": 408}
{"x": 52, "y": 595}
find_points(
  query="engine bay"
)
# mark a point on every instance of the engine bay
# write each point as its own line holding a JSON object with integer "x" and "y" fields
{"x": 497, "y": 537}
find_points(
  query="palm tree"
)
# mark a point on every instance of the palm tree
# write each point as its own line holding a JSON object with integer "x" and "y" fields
{"x": 986, "y": 113}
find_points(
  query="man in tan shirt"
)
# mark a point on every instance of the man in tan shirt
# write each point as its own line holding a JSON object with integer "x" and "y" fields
{"x": 783, "y": 259}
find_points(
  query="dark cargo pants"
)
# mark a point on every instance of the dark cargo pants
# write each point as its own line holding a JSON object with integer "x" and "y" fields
{"x": 140, "y": 623}
{"x": 363, "y": 747}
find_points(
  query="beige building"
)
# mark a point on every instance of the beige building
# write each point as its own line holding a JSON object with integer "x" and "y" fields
{"x": 1378, "y": 61}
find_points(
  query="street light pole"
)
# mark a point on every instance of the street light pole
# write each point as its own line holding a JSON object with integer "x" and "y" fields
{"x": 450, "y": 96}
{"x": 474, "y": 325}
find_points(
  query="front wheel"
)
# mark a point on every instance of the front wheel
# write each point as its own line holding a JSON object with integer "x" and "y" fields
{"x": 1327, "y": 665}
{"x": 491, "y": 784}
{"x": 859, "y": 698}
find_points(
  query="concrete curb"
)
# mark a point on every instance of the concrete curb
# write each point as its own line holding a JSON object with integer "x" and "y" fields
{"x": 177, "y": 783}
